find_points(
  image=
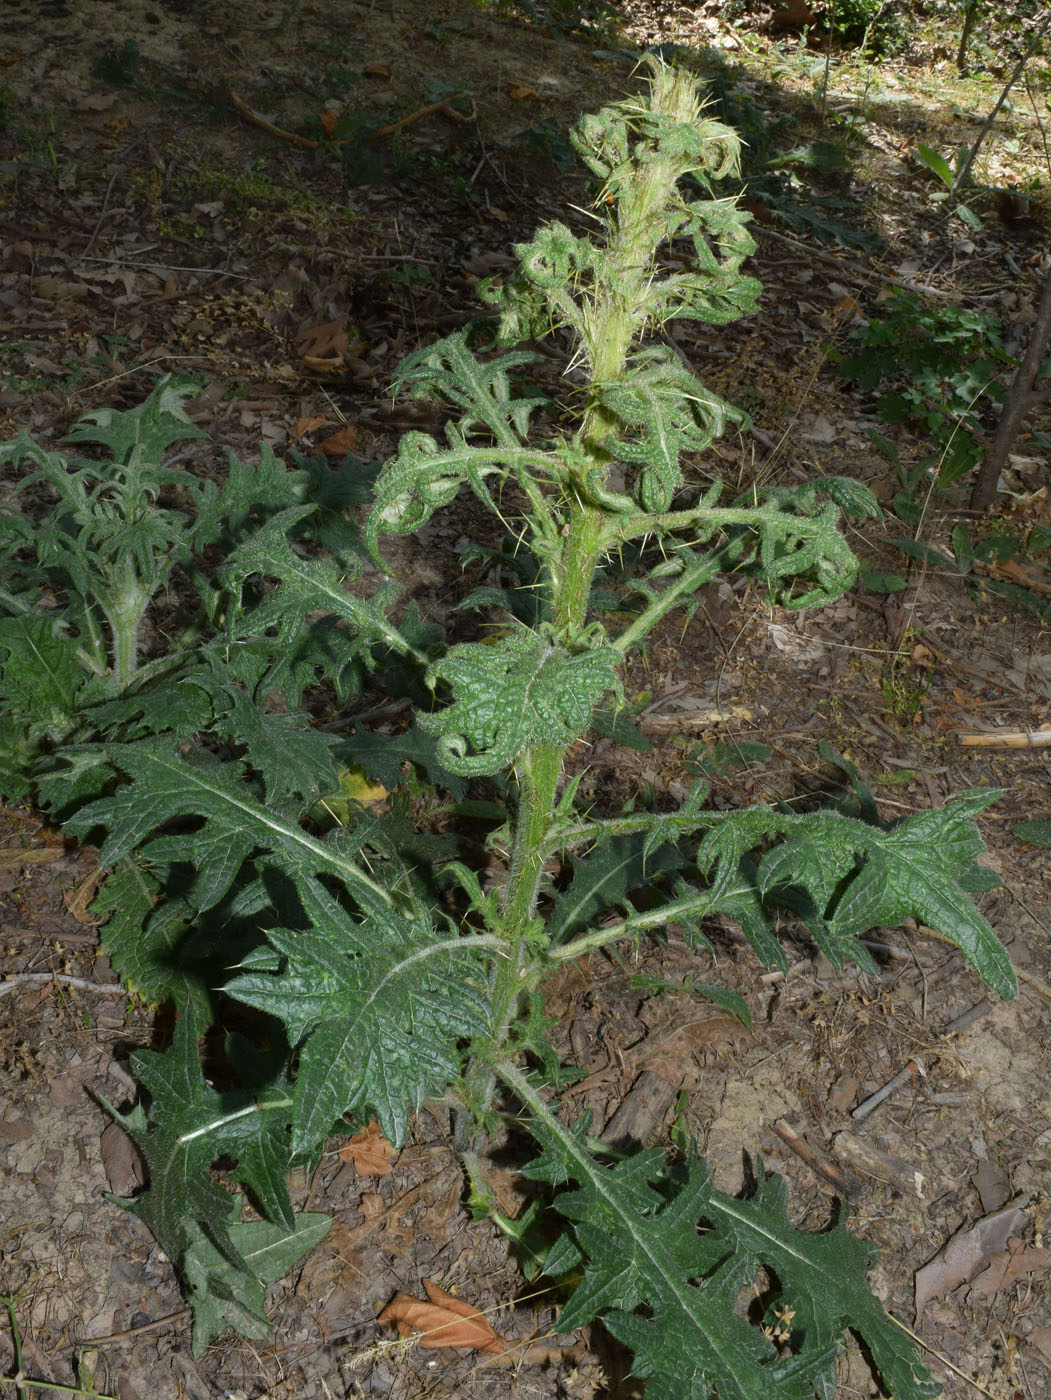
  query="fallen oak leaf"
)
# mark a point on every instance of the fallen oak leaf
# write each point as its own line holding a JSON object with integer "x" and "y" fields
{"x": 1007, "y": 1266}
{"x": 960, "y": 1258}
{"x": 78, "y": 901}
{"x": 445, "y": 1321}
{"x": 302, "y": 427}
{"x": 339, "y": 444}
{"x": 324, "y": 347}
{"x": 369, "y": 1150}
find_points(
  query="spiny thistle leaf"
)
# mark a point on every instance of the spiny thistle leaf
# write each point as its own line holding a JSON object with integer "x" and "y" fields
{"x": 143, "y": 940}
{"x": 378, "y": 1008}
{"x": 668, "y": 1241}
{"x": 424, "y": 476}
{"x": 604, "y": 879}
{"x": 39, "y": 673}
{"x": 189, "y": 1126}
{"x": 223, "y": 1296}
{"x": 516, "y": 692}
{"x": 856, "y": 876}
{"x": 669, "y": 411}
{"x": 308, "y": 585}
{"x": 451, "y": 373}
{"x": 168, "y": 784}
{"x": 916, "y": 868}
{"x": 152, "y": 426}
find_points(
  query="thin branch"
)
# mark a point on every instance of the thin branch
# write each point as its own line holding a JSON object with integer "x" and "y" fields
{"x": 965, "y": 168}
{"x": 106, "y": 989}
{"x": 308, "y": 143}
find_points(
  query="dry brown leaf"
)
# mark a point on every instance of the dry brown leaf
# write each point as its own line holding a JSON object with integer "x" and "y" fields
{"x": 792, "y": 14}
{"x": 339, "y": 444}
{"x": 378, "y": 70}
{"x": 329, "y": 121}
{"x": 960, "y": 1257}
{"x": 520, "y": 93}
{"x": 445, "y": 1321}
{"x": 302, "y": 426}
{"x": 12, "y": 857}
{"x": 1040, "y": 1338}
{"x": 78, "y": 901}
{"x": 324, "y": 347}
{"x": 121, "y": 1160}
{"x": 369, "y": 1150}
{"x": 1007, "y": 1266}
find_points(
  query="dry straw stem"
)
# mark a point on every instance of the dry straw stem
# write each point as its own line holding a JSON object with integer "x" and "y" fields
{"x": 1008, "y": 739}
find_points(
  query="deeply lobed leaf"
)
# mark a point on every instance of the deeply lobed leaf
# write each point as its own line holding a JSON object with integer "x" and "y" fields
{"x": 668, "y": 1242}
{"x": 379, "y": 1008}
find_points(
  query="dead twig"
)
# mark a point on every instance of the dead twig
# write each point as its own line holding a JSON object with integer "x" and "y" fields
{"x": 107, "y": 989}
{"x": 819, "y": 1162}
{"x": 444, "y": 106}
{"x": 869, "y": 1105}
{"x": 308, "y": 143}
{"x": 1007, "y": 739}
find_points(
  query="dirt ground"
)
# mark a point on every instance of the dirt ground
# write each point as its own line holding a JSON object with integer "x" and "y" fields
{"x": 149, "y": 221}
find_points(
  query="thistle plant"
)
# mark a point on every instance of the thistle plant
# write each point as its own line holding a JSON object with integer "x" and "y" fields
{"x": 384, "y": 973}
{"x": 88, "y": 543}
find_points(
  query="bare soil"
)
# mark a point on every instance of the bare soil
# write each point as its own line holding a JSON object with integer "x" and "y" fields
{"x": 153, "y": 225}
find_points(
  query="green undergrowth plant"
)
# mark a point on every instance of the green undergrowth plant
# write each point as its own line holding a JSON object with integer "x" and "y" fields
{"x": 784, "y": 177}
{"x": 91, "y": 544}
{"x": 365, "y": 967}
{"x": 971, "y": 550}
{"x": 945, "y": 365}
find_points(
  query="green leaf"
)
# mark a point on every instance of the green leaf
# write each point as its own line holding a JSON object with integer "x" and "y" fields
{"x": 384, "y": 756}
{"x": 852, "y": 497}
{"x": 604, "y": 879}
{"x": 223, "y": 1296}
{"x": 667, "y": 411}
{"x": 819, "y": 155}
{"x": 144, "y": 942}
{"x": 1035, "y": 833}
{"x": 880, "y": 581}
{"x": 967, "y": 216}
{"x": 251, "y": 491}
{"x": 517, "y": 692}
{"x": 667, "y": 1242}
{"x": 167, "y": 784}
{"x": 423, "y": 476}
{"x": 309, "y": 585}
{"x": 860, "y": 876}
{"x": 709, "y": 991}
{"x": 614, "y": 724}
{"x": 293, "y": 758}
{"x": 450, "y": 372}
{"x": 190, "y": 1125}
{"x": 963, "y": 548}
{"x": 935, "y": 163}
{"x": 925, "y": 553}
{"x": 152, "y": 426}
{"x": 377, "y": 1007}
